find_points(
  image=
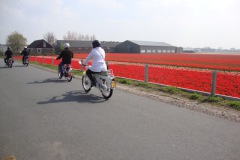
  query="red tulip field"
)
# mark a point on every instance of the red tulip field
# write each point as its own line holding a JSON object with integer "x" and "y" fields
{"x": 206, "y": 61}
{"x": 190, "y": 71}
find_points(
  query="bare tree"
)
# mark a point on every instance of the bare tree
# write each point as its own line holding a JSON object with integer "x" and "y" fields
{"x": 87, "y": 37}
{"x": 71, "y": 36}
{"x": 77, "y": 36}
{"x": 92, "y": 38}
{"x": 50, "y": 38}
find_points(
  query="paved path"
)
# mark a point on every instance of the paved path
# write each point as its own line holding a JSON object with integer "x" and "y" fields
{"x": 44, "y": 118}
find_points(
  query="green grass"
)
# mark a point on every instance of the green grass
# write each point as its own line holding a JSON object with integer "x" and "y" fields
{"x": 195, "y": 96}
{"x": 234, "y": 104}
{"x": 123, "y": 81}
{"x": 75, "y": 72}
{"x": 46, "y": 65}
{"x": 172, "y": 90}
{"x": 213, "y": 99}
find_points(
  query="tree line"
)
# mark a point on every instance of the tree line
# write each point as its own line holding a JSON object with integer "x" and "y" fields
{"x": 16, "y": 41}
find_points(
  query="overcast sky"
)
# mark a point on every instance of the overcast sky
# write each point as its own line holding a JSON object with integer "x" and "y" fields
{"x": 185, "y": 23}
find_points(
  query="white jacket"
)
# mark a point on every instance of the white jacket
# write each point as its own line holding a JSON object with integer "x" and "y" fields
{"x": 98, "y": 60}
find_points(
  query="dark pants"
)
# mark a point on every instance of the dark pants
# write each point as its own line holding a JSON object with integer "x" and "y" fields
{"x": 89, "y": 74}
{"x": 60, "y": 66}
{"x": 6, "y": 59}
{"x": 23, "y": 58}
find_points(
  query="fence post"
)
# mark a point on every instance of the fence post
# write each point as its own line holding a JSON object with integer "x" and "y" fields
{"x": 81, "y": 65}
{"x": 52, "y": 61}
{"x": 35, "y": 58}
{"x": 146, "y": 73}
{"x": 42, "y": 59}
{"x": 213, "y": 84}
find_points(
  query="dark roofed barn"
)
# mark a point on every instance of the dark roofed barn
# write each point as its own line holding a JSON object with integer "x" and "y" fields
{"x": 132, "y": 46}
{"x": 40, "y": 46}
{"x": 79, "y": 46}
{"x": 109, "y": 46}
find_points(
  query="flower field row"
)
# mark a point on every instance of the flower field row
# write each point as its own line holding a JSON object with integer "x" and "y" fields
{"x": 209, "y": 61}
{"x": 228, "y": 83}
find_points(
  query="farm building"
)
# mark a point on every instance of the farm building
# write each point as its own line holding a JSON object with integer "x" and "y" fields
{"x": 40, "y": 46}
{"x": 78, "y": 46}
{"x": 109, "y": 46}
{"x": 132, "y": 46}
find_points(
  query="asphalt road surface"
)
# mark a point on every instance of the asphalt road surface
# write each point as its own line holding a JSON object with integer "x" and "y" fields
{"x": 44, "y": 118}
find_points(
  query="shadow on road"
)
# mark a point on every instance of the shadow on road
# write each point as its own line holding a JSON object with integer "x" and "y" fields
{"x": 50, "y": 80}
{"x": 19, "y": 66}
{"x": 4, "y": 67}
{"x": 77, "y": 96}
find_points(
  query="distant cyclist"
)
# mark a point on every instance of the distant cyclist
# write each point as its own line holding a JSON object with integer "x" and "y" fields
{"x": 66, "y": 56}
{"x": 25, "y": 53}
{"x": 8, "y": 54}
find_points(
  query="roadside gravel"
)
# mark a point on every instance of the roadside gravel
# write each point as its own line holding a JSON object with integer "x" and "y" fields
{"x": 207, "y": 108}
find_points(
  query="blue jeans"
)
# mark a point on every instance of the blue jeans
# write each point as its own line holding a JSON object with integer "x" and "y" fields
{"x": 60, "y": 65}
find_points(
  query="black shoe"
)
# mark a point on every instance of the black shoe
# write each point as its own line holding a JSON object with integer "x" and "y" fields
{"x": 93, "y": 84}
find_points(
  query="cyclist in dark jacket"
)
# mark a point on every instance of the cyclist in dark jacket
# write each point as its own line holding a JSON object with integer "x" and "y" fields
{"x": 9, "y": 54}
{"x": 25, "y": 53}
{"x": 66, "y": 56}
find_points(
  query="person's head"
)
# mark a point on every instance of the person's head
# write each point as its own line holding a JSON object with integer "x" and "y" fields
{"x": 8, "y": 48}
{"x": 25, "y": 48}
{"x": 96, "y": 43}
{"x": 66, "y": 45}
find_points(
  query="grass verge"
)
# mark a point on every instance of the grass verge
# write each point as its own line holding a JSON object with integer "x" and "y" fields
{"x": 75, "y": 72}
{"x": 218, "y": 101}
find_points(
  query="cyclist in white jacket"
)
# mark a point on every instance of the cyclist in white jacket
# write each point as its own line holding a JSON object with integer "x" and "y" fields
{"x": 97, "y": 55}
